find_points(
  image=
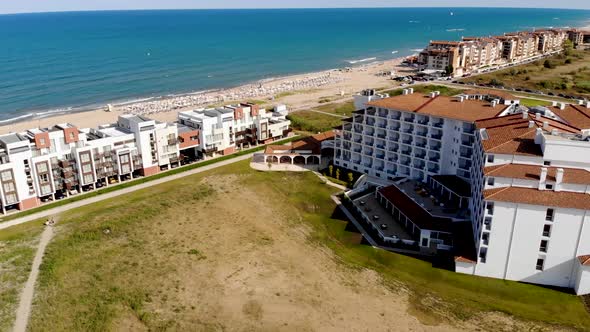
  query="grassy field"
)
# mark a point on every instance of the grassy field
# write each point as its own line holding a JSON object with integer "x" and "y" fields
{"x": 561, "y": 74}
{"x": 314, "y": 122}
{"x": 529, "y": 102}
{"x": 234, "y": 248}
{"x": 17, "y": 249}
{"x": 444, "y": 90}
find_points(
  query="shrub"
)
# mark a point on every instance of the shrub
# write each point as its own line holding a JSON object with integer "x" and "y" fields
{"x": 548, "y": 64}
{"x": 568, "y": 61}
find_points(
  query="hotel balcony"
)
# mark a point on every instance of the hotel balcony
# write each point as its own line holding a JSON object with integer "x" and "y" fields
{"x": 394, "y": 127}
{"x": 433, "y": 169}
{"x": 380, "y": 156}
{"x": 391, "y": 171}
{"x": 468, "y": 128}
{"x": 357, "y": 150}
{"x": 358, "y": 128}
{"x": 370, "y": 121}
{"x": 369, "y": 152}
{"x": 435, "y": 136}
{"x": 381, "y": 134}
{"x": 358, "y": 139}
{"x": 381, "y": 124}
{"x": 435, "y": 145}
{"x": 380, "y": 146}
{"x": 467, "y": 141}
{"x": 405, "y": 161}
{"x": 394, "y": 115}
{"x": 423, "y": 121}
{"x": 409, "y": 118}
{"x": 408, "y": 130}
{"x": 407, "y": 152}
{"x": 369, "y": 132}
{"x": 420, "y": 155}
{"x": 433, "y": 158}
{"x": 465, "y": 153}
{"x": 422, "y": 133}
{"x": 407, "y": 141}
{"x": 393, "y": 147}
{"x": 369, "y": 141}
{"x": 368, "y": 165}
{"x": 392, "y": 159}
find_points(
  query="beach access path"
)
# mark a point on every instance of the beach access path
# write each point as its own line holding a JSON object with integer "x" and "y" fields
{"x": 95, "y": 199}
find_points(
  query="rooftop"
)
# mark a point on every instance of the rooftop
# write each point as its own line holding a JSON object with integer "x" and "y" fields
{"x": 12, "y": 138}
{"x": 562, "y": 199}
{"x": 584, "y": 260}
{"x": 426, "y": 211}
{"x": 492, "y": 93}
{"x": 441, "y": 106}
{"x": 455, "y": 184}
{"x": 533, "y": 172}
{"x": 575, "y": 115}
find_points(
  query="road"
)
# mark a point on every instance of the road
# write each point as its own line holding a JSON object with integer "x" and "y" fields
{"x": 26, "y": 298}
{"x": 91, "y": 200}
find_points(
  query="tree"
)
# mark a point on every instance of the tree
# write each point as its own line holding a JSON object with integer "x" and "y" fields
{"x": 548, "y": 64}
{"x": 568, "y": 47}
{"x": 331, "y": 170}
{"x": 449, "y": 70}
{"x": 350, "y": 179}
{"x": 338, "y": 174}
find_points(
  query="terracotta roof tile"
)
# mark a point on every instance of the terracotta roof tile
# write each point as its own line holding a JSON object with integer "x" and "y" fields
{"x": 532, "y": 172}
{"x": 569, "y": 200}
{"x": 584, "y": 260}
{"x": 441, "y": 106}
{"x": 575, "y": 115}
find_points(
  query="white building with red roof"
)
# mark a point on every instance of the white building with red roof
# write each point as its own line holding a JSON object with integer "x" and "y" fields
{"x": 528, "y": 174}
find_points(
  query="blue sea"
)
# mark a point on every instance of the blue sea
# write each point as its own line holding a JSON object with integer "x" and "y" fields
{"x": 57, "y": 62}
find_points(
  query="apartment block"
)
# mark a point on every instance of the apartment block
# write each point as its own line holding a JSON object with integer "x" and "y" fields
{"x": 504, "y": 188}
{"x": 472, "y": 54}
{"x": 47, "y": 164}
{"x": 222, "y": 131}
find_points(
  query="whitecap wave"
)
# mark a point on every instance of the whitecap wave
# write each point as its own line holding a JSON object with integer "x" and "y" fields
{"x": 394, "y": 52}
{"x": 455, "y": 30}
{"x": 417, "y": 50}
{"x": 352, "y": 62}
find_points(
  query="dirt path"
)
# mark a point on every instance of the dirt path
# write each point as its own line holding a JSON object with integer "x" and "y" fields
{"x": 26, "y": 299}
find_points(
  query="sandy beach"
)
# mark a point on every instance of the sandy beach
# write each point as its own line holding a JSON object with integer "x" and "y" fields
{"x": 297, "y": 92}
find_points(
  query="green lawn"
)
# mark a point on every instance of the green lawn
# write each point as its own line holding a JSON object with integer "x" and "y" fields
{"x": 88, "y": 278}
{"x": 17, "y": 249}
{"x": 533, "y": 102}
{"x": 425, "y": 89}
{"x": 313, "y": 122}
{"x": 567, "y": 74}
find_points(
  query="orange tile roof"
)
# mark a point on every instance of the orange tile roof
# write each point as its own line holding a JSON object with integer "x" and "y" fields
{"x": 441, "y": 106}
{"x": 463, "y": 259}
{"x": 512, "y": 135}
{"x": 563, "y": 199}
{"x": 575, "y": 115}
{"x": 533, "y": 172}
{"x": 328, "y": 135}
{"x": 312, "y": 143}
{"x": 584, "y": 260}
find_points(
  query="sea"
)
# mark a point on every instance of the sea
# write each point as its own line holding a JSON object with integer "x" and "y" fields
{"x": 66, "y": 62}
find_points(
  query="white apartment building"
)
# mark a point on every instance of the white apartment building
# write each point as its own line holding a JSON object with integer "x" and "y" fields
{"x": 528, "y": 174}
{"x": 223, "y": 130}
{"x": 414, "y": 135}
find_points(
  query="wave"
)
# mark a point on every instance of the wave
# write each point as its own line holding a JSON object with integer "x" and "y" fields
{"x": 417, "y": 50}
{"x": 352, "y": 62}
{"x": 413, "y": 21}
{"x": 455, "y": 30}
{"x": 394, "y": 52}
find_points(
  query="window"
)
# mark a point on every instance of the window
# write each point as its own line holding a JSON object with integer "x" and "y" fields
{"x": 491, "y": 181}
{"x": 490, "y": 158}
{"x": 86, "y": 168}
{"x": 483, "y": 254}
{"x": 547, "y": 230}
{"x": 72, "y": 135}
{"x": 42, "y": 167}
{"x": 549, "y": 186}
{"x": 11, "y": 198}
{"x": 488, "y": 223}
{"x": 42, "y": 141}
{"x": 540, "y": 264}
{"x": 6, "y": 176}
{"x": 85, "y": 157}
{"x": 549, "y": 215}
{"x": 43, "y": 178}
{"x": 543, "y": 246}
{"x": 88, "y": 178}
{"x": 490, "y": 208}
{"x": 547, "y": 163}
{"x": 485, "y": 239}
{"x": 124, "y": 158}
{"x": 8, "y": 187}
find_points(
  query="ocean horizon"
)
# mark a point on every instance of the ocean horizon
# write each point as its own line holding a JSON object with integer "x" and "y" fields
{"x": 69, "y": 61}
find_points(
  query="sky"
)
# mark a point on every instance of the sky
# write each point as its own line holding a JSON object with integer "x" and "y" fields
{"x": 27, "y": 6}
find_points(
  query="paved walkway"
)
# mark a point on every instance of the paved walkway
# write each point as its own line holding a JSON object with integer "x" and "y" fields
{"x": 26, "y": 298}
{"x": 120, "y": 192}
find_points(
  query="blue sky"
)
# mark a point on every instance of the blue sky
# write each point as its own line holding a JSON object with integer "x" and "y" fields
{"x": 24, "y": 6}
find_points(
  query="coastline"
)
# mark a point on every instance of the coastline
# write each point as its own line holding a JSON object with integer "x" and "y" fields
{"x": 297, "y": 91}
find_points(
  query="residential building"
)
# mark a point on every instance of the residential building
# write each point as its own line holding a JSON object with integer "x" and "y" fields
{"x": 518, "y": 180}
{"x": 46, "y": 164}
